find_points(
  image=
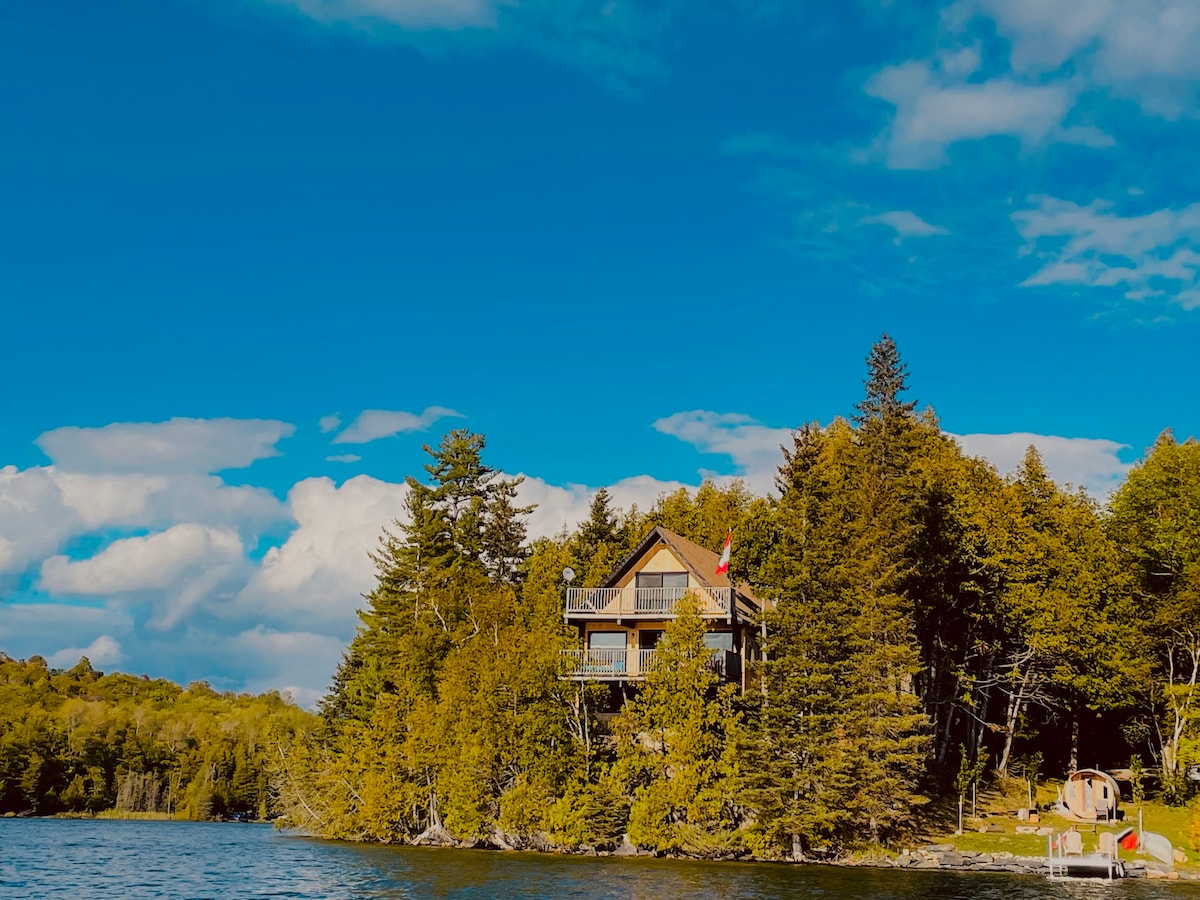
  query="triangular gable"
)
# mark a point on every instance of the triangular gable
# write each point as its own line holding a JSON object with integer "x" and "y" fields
{"x": 700, "y": 562}
{"x": 679, "y": 546}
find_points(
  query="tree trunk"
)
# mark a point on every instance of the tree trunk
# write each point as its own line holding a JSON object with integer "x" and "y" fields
{"x": 1015, "y": 707}
{"x": 436, "y": 832}
{"x": 1076, "y": 715}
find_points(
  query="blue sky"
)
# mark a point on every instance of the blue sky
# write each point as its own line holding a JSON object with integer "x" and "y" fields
{"x": 631, "y": 242}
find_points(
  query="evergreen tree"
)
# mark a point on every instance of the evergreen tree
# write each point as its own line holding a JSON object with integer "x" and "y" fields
{"x": 679, "y": 744}
{"x": 799, "y": 780}
{"x": 1155, "y": 518}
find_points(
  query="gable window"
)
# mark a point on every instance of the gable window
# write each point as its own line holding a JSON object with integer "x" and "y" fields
{"x": 660, "y": 591}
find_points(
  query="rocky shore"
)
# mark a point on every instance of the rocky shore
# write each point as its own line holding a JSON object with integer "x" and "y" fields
{"x": 935, "y": 856}
{"x": 944, "y": 856}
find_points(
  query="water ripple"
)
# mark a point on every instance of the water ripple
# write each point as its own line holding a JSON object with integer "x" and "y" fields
{"x": 49, "y": 858}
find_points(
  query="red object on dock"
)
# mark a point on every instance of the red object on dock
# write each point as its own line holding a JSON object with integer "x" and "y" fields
{"x": 1128, "y": 840}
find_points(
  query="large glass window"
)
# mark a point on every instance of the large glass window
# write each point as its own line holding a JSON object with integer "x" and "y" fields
{"x": 718, "y": 640}
{"x": 606, "y": 640}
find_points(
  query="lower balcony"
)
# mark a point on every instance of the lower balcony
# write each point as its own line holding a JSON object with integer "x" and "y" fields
{"x": 632, "y": 665}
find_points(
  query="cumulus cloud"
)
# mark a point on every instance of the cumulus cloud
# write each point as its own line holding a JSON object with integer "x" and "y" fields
{"x": 27, "y": 629}
{"x": 1091, "y": 463}
{"x": 373, "y": 424}
{"x": 1146, "y": 255}
{"x": 34, "y": 518}
{"x": 175, "y": 571}
{"x": 178, "y": 446}
{"x": 43, "y": 507}
{"x": 151, "y": 501}
{"x": 104, "y": 651}
{"x": 145, "y": 563}
{"x": 565, "y": 506}
{"x": 330, "y": 423}
{"x": 905, "y": 224}
{"x": 299, "y": 663}
{"x": 753, "y": 446}
{"x": 317, "y": 577}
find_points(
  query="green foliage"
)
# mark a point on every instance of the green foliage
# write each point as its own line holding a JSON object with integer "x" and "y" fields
{"x": 678, "y": 748}
{"x": 1137, "y": 778}
{"x": 1155, "y": 520}
{"x": 81, "y": 741}
{"x": 925, "y": 617}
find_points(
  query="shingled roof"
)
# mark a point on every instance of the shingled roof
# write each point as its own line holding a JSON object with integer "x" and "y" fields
{"x": 702, "y": 563}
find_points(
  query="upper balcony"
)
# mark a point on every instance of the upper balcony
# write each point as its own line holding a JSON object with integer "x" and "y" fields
{"x": 644, "y": 602}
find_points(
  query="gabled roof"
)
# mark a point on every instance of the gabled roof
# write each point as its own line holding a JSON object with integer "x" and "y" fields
{"x": 702, "y": 563}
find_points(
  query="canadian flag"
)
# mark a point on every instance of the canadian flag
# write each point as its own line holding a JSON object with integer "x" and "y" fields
{"x": 723, "y": 565}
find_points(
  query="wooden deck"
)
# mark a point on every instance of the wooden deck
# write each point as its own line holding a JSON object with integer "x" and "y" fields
{"x": 633, "y": 664}
{"x": 643, "y": 603}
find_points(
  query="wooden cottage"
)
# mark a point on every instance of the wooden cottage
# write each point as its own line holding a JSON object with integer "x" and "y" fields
{"x": 621, "y": 622}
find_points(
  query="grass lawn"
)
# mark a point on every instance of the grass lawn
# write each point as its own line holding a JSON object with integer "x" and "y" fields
{"x": 996, "y": 809}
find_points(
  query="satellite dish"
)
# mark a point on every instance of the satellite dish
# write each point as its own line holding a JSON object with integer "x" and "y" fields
{"x": 568, "y": 574}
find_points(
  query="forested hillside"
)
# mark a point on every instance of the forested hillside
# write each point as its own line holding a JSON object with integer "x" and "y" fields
{"x": 930, "y": 618}
{"x": 80, "y": 741}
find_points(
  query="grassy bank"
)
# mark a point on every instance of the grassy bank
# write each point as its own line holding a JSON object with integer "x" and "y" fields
{"x": 994, "y": 827}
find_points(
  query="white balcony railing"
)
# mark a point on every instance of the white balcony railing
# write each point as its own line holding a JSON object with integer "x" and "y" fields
{"x": 634, "y": 602}
{"x": 612, "y": 665}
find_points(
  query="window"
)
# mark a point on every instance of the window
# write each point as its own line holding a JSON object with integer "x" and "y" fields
{"x": 659, "y": 591}
{"x": 648, "y": 639}
{"x": 662, "y": 580}
{"x": 606, "y": 640}
{"x": 718, "y": 640}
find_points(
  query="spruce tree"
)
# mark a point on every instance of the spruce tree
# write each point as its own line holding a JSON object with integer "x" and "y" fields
{"x": 679, "y": 747}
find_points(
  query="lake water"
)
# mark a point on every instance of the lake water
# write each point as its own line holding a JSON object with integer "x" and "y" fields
{"x": 100, "y": 859}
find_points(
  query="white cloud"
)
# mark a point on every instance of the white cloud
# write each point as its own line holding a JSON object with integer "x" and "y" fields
{"x": 373, "y": 424}
{"x": 42, "y": 507}
{"x": 134, "y": 564}
{"x": 177, "y": 572}
{"x": 34, "y": 628}
{"x": 178, "y": 446}
{"x": 753, "y": 447}
{"x": 614, "y": 39}
{"x": 317, "y": 577}
{"x": 299, "y": 663}
{"x": 905, "y": 224}
{"x": 1146, "y": 255}
{"x": 104, "y": 651}
{"x": 416, "y": 14}
{"x": 1144, "y": 50}
{"x": 756, "y": 449}
{"x": 344, "y": 458}
{"x": 936, "y": 107}
{"x": 330, "y": 423}
{"x": 151, "y": 501}
{"x": 1092, "y": 463}
{"x": 565, "y": 506}
{"x": 34, "y": 519}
